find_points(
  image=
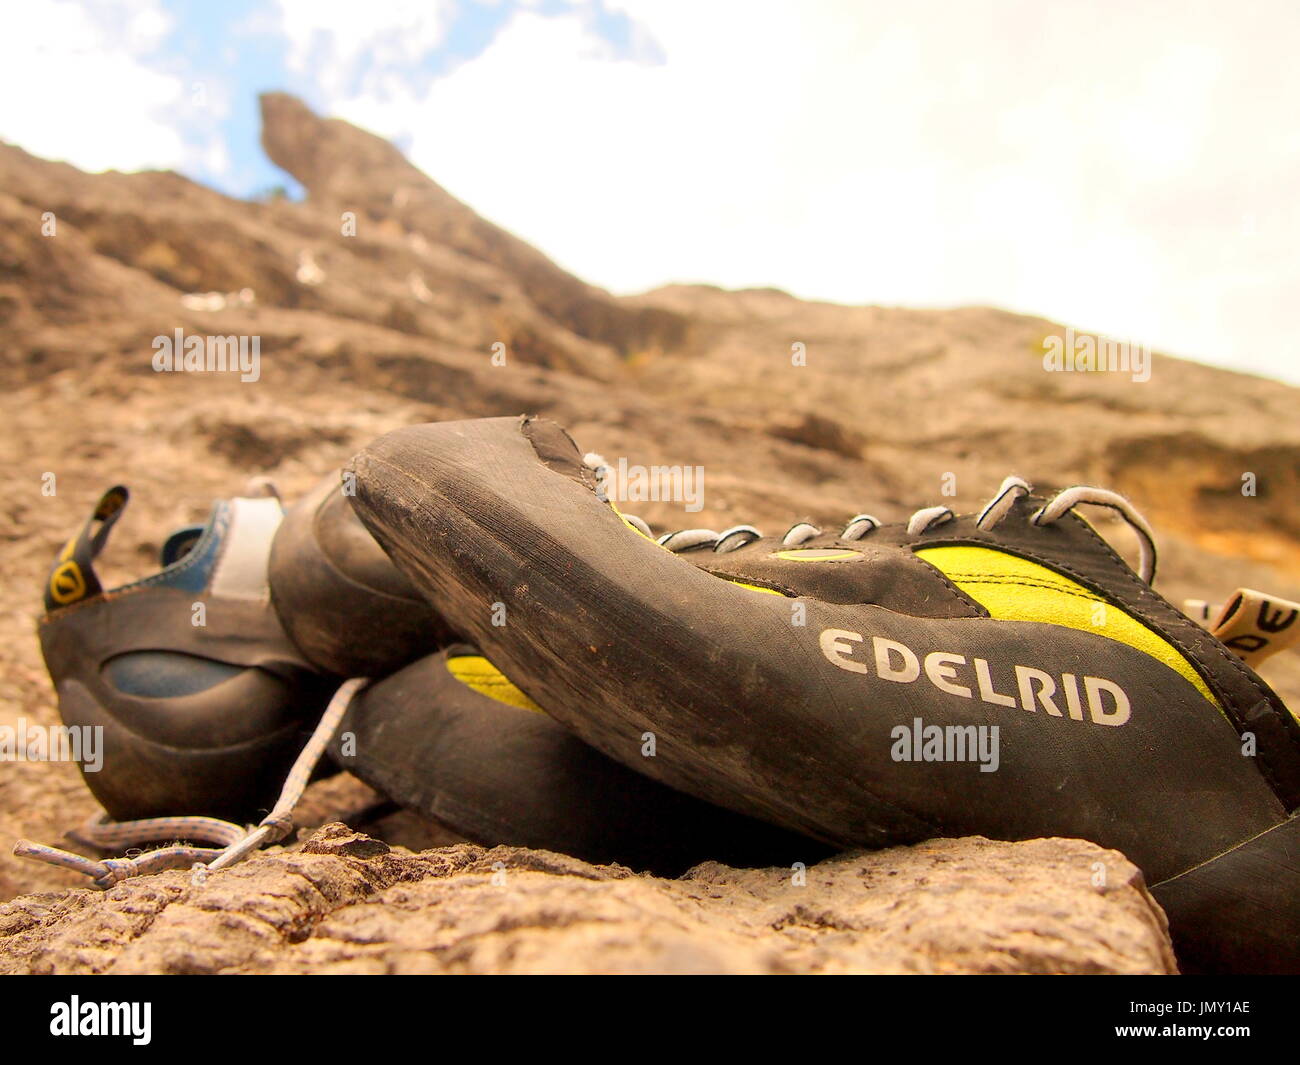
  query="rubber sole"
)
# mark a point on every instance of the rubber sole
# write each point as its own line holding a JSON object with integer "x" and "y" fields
{"x": 1239, "y": 912}
{"x": 498, "y": 774}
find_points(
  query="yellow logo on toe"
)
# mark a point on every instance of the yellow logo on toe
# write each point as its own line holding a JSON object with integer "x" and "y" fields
{"x": 476, "y": 672}
{"x": 67, "y": 584}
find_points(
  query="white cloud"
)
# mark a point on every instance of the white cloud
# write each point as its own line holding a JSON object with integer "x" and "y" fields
{"x": 75, "y": 85}
{"x": 1097, "y": 164}
{"x": 340, "y": 41}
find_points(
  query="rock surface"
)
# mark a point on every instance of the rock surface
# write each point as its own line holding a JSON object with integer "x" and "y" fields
{"x": 346, "y": 903}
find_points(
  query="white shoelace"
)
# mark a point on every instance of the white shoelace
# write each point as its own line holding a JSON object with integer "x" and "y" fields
{"x": 236, "y": 842}
{"x": 860, "y": 525}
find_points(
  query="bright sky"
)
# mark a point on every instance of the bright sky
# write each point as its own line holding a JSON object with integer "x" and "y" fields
{"x": 1127, "y": 166}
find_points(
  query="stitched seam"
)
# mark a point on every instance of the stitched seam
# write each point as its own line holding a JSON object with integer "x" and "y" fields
{"x": 978, "y": 610}
{"x": 1028, "y": 582}
{"x": 192, "y": 558}
{"x": 759, "y": 582}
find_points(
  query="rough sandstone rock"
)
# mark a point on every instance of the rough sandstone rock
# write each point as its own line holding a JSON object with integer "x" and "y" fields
{"x": 345, "y": 903}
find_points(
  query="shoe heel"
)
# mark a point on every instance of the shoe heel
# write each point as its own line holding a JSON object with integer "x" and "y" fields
{"x": 140, "y": 777}
{"x": 344, "y": 604}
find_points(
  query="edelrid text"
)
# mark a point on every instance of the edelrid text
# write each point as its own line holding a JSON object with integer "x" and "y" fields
{"x": 1085, "y": 698}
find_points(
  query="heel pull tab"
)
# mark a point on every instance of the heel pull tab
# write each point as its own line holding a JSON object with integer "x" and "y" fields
{"x": 72, "y": 576}
{"x": 1257, "y": 625}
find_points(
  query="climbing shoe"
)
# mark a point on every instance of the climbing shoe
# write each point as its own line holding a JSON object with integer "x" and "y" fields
{"x": 1003, "y": 673}
{"x": 199, "y": 699}
{"x": 205, "y": 674}
{"x": 452, "y": 738}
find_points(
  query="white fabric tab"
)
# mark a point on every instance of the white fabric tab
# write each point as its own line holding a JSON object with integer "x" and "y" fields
{"x": 1201, "y": 611}
{"x": 241, "y": 572}
{"x": 1257, "y": 626}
